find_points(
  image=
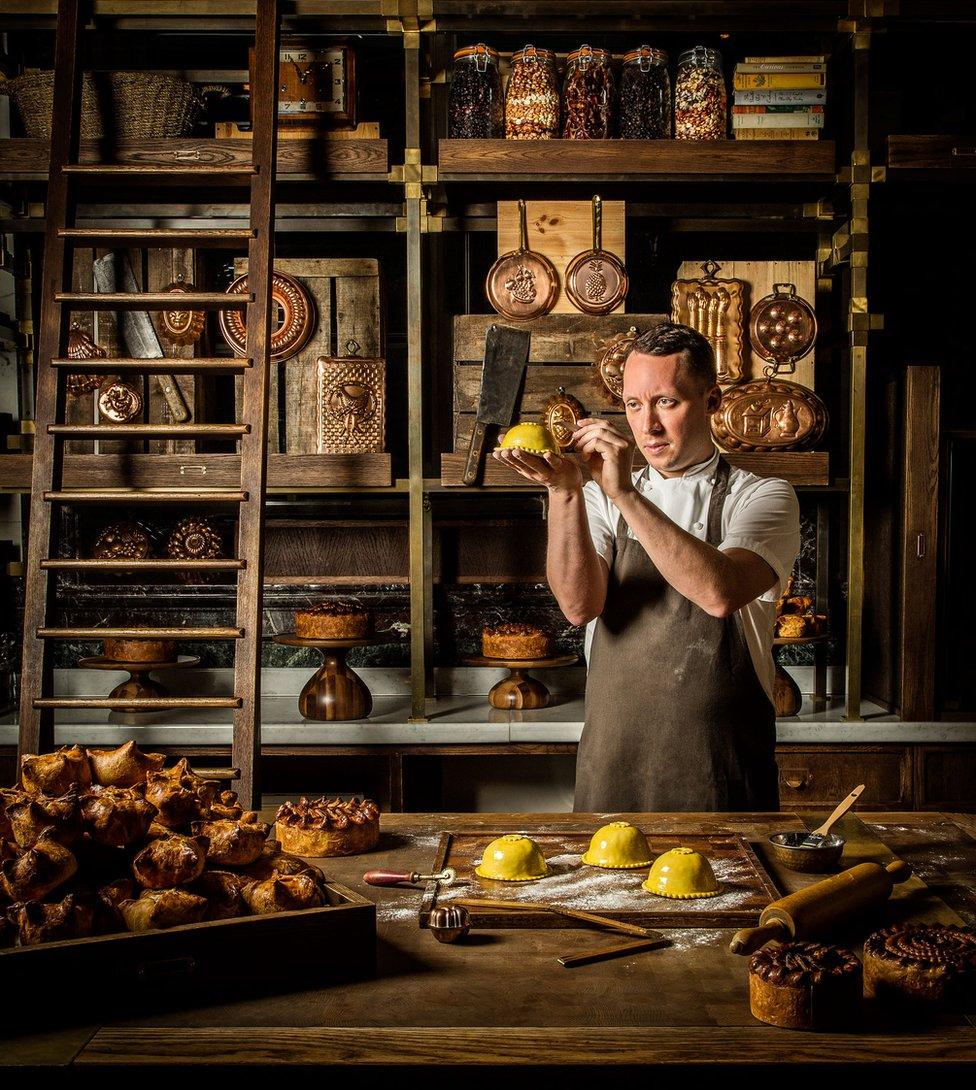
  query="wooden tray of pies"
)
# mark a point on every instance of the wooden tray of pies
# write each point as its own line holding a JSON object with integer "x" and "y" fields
{"x": 747, "y": 887}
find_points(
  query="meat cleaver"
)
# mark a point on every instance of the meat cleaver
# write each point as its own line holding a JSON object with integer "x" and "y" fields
{"x": 506, "y": 354}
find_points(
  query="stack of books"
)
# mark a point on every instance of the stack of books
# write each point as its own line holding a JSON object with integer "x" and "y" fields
{"x": 779, "y": 98}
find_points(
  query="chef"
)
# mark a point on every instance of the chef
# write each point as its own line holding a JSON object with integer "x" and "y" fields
{"x": 675, "y": 570}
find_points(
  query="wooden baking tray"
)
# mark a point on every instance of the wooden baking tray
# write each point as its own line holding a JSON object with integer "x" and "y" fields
{"x": 226, "y": 958}
{"x": 614, "y": 893}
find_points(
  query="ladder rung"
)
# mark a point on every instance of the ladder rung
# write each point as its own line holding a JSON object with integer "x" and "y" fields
{"x": 99, "y": 564}
{"x": 153, "y": 300}
{"x": 147, "y": 495}
{"x": 168, "y": 173}
{"x": 139, "y": 703}
{"x": 160, "y": 236}
{"x": 148, "y": 431}
{"x": 200, "y": 364}
{"x": 220, "y": 633}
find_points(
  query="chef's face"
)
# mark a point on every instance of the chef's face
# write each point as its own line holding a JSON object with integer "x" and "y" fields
{"x": 668, "y": 412}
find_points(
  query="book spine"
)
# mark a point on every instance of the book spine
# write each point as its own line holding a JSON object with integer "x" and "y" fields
{"x": 782, "y": 66}
{"x": 777, "y": 109}
{"x": 816, "y": 58}
{"x": 801, "y": 119}
{"x": 807, "y": 97}
{"x": 754, "y": 81}
{"x": 776, "y": 134}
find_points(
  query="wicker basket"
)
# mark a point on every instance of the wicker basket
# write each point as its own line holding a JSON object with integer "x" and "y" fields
{"x": 139, "y": 105}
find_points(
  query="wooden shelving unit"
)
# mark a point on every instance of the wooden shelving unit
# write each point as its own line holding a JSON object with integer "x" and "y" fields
{"x": 949, "y": 155}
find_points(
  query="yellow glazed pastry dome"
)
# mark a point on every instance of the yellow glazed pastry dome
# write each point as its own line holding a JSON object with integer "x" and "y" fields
{"x": 534, "y": 438}
{"x": 512, "y": 858}
{"x": 681, "y": 873}
{"x": 618, "y": 845}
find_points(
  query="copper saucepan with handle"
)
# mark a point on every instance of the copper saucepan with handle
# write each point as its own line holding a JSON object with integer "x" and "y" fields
{"x": 522, "y": 284}
{"x": 596, "y": 280}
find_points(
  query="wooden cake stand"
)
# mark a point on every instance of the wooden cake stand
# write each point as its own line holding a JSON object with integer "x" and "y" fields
{"x": 139, "y": 684}
{"x": 335, "y": 692}
{"x": 518, "y": 690}
{"x": 786, "y": 693}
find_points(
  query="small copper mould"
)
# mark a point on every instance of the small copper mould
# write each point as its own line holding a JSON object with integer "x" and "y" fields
{"x": 714, "y": 307}
{"x": 350, "y": 405}
{"x": 448, "y": 923}
{"x": 608, "y": 367}
{"x": 82, "y": 347}
{"x": 782, "y": 329}
{"x": 119, "y": 402}
{"x": 182, "y": 327}
{"x": 296, "y": 318}
{"x": 561, "y": 415}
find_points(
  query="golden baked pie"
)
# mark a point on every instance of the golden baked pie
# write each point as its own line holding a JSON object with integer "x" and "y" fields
{"x": 225, "y": 806}
{"x": 54, "y": 773}
{"x": 163, "y": 908}
{"x": 123, "y": 767}
{"x": 173, "y": 861}
{"x": 232, "y": 843}
{"x": 515, "y": 641}
{"x": 71, "y": 918}
{"x": 32, "y": 816}
{"x": 793, "y": 626}
{"x": 138, "y": 650}
{"x": 921, "y": 964}
{"x": 223, "y": 892}
{"x": 38, "y": 871}
{"x": 321, "y": 828}
{"x": 332, "y": 621}
{"x": 274, "y": 861}
{"x": 805, "y": 985}
{"x": 117, "y": 817}
{"x": 283, "y": 893}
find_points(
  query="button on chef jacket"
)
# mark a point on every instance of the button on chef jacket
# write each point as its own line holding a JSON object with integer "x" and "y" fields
{"x": 760, "y": 514}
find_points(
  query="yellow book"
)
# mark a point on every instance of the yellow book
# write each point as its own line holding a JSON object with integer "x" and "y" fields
{"x": 777, "y": 134}
{"x": 749, "y": 81}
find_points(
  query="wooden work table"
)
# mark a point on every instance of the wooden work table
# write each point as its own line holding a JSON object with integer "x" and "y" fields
{"x": 501, "y": 998}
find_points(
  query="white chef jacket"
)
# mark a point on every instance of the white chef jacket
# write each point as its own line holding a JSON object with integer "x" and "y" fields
{"x": 760, "y": 514}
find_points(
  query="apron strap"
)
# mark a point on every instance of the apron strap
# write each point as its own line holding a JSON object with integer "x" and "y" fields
{"x": 717, "y": 502}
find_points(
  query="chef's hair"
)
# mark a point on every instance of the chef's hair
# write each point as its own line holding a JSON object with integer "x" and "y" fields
{"x": 667, "y": 338}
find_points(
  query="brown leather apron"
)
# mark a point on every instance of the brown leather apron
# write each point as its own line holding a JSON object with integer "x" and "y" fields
{"x": 676, "y": 718}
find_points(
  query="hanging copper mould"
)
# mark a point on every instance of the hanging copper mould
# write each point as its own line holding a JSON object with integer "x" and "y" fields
{"x": 782, "y": 328}
{"x": 714, "y": 306}
{"x": 119, "y": 402}
{"x": 769, "y": 415}
{"x": 522, "y": 284}
{"x": 351, "y": 405}
{"x": 596, "y": 280}
{"x": 82, "y": 347}
{"x": 608, "y": 367}
{"x": 182, "y": 327}
{"x": 295, "y": 311}
{"x": 561, "y": 413}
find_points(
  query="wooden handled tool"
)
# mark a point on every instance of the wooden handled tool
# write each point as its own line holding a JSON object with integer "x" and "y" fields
{"x": 571, "y": 961}
{"x": 811, "y": 912}
{"x": 572, "y": 913}
{"x": 819, "y": 835}
{"x": 394, "y": 878}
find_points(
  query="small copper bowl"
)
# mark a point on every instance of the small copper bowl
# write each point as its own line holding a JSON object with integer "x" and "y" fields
{"x": 785, "y": 849}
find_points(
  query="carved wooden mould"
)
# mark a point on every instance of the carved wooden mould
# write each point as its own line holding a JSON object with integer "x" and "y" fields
{"x": 769, "y": 415}
{"x": 351, "y": 405}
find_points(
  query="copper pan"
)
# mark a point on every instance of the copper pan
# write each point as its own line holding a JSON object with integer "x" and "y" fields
{"x": 522, "y": 284}
{"x": 596, "y": 280}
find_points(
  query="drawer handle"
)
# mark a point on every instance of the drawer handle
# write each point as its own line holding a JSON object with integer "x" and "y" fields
{"x": 166, "y": 968}
{"x": 796, "y": 780}
{"x": 193, "y": 471}
{"x": 964, "y": 153}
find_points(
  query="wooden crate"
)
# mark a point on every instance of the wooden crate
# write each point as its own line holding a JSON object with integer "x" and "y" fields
{"x": 346, "y": 292}
{"x": 283, "y": 950}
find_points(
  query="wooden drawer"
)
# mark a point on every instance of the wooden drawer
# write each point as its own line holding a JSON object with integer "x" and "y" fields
{"x": 955, "y": 153}
{"x": 945, "y": 778}
{"x": 814, "y": 777}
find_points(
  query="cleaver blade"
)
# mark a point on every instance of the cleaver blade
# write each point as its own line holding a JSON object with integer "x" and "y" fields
{"x": 506, "y": 354}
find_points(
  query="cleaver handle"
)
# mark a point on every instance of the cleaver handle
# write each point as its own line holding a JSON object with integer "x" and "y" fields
{"x": 475, "y": 450}
{"x": 174, "y": 398}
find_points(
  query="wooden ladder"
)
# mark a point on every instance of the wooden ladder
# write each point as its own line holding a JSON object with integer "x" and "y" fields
{"x": 57, "y": 301}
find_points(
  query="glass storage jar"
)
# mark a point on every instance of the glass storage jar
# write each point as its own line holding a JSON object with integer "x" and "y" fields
{"x": 588, "y": 95}
{"x": 700, "y": 110}
{"x": 532, "y": 96}
{"x": 475, "y": 107}
{"x": 645, "y": 95}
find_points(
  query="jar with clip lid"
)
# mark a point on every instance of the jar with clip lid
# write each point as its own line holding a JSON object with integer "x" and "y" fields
{"x": 475, "y": 105}
{"x": 645, "y": 95}
{"x": 588, "y": 95}
{"x": 700, "y": 104}
{"x": 532, "y": 96}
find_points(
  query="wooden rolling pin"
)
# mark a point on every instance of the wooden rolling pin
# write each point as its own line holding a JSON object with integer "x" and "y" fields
{"x": 811, "y": 912}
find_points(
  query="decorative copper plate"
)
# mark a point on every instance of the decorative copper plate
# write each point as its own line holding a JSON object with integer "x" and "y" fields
{"x": 713, "y": 306}
{"x": 296, "y": 318}
{"x": 560, "y": 415}
{"x": 522, "y": 284}
{"x": 119, "y": 402}
{"x": 351, "y": 405}
{"x": 768, "y": 415}
{"x": 608, "y": 367}
{"x": 783, "y": 327}
{"x": 123, "y": 541}
{"x": 596, "y": 280}
{"x": 181, "y": 327}
{"x": 82, "y": 347}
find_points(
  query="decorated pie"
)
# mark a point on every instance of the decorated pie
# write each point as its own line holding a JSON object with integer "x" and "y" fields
{"x": 332, "y": 621}
{"x": 321, "y": 827}
{"x": 515, "y": 641}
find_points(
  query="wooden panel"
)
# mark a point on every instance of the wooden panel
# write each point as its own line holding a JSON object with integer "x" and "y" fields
{"x": 350, "y": 550}
{"x": 945, "y": 778}
{"x": 309, "y": 157}
{"x": 919, "y": 543}
{"x": 813, "y": 777}
{"x": 560, "y": 230}
{"x": 760, "y": 276}
{"x": 667, "y": 158}
{"x": 931, "y": 153}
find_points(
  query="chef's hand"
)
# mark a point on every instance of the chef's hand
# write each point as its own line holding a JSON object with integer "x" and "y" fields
{"x": 607, "y": 453}
{"x": 554, "y": 471}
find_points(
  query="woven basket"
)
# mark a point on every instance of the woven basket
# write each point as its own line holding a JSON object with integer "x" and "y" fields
{"x": 139, "y": 105}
